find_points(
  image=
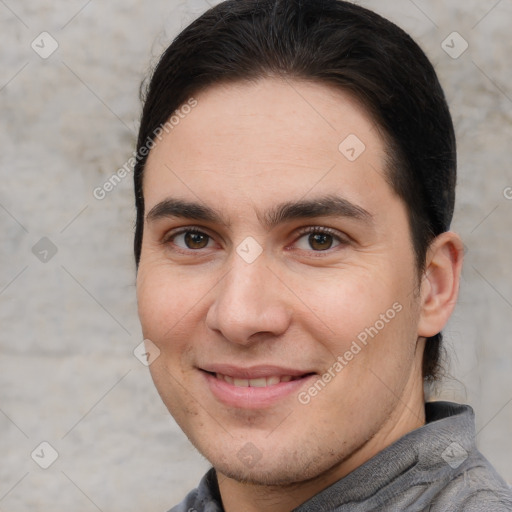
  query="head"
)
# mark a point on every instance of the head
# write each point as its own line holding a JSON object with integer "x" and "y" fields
{"x": 294, "y": 115}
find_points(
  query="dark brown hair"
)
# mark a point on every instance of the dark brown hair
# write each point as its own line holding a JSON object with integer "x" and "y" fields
{"x": 332, "y": 42}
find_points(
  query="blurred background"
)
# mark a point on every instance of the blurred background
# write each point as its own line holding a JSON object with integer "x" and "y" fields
{"x": 69, "y": 81}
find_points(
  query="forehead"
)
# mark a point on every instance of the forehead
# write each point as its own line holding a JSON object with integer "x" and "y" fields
{"x": 270, "y": 140}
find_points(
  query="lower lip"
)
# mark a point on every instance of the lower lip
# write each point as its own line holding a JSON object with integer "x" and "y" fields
{"x": 253, "y": 398}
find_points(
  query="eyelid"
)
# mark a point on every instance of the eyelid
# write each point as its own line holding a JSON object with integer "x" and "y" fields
{"x": 341, "y": 237}
{"x": 168, "y": 236}
{"x": 181, "y": 229}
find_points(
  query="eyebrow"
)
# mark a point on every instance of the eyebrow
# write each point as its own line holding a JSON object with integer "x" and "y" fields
{"x": 325, "y": 206}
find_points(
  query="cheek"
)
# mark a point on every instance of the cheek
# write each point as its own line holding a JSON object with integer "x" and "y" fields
{"x": 367, "y": 316}
{"x": 371, "y": 345}
{"x": 166, "y": 306}
{"x": 348, "y": 302}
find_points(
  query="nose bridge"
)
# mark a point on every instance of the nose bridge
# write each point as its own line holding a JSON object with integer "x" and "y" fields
{"x": 247, "y": 301}
{"x": 246, "y": 289}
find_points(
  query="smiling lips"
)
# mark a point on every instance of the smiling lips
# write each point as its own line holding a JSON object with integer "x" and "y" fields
{"x": 261, "y": 382}
{"x": 255, "y": 387}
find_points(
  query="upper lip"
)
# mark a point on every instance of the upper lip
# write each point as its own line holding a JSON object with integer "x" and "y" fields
{"x": 253, "y": 372}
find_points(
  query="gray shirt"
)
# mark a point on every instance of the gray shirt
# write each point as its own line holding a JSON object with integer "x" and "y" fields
{"x": 435, "y": 468}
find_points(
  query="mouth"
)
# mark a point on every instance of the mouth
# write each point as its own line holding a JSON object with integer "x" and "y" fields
{"x": 261, "y": 382}
{"x": 256, "y": 387}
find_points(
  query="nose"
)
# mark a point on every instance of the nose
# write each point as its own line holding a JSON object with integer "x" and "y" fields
{"x": 250, "y": 301}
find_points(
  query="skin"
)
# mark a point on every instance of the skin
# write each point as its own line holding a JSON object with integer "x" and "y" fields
{"x": 245, "y": 148}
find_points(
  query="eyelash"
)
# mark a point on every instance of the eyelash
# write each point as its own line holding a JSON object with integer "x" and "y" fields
{"x": 342, "y": 240}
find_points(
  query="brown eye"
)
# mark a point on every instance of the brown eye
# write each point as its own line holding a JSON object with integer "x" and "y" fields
{"x": 194, "y": 240}
{"x": 320, "y": 241}
{"x": 190, "y": 239}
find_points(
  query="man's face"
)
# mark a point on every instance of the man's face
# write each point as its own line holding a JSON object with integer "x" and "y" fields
{"x": 282, "y": 298}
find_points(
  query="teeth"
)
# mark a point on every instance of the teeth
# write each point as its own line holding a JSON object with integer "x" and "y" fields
{"x": 261, "y": 382}
{"x": 258, "y": 383}
{"x": 227, "y": 378}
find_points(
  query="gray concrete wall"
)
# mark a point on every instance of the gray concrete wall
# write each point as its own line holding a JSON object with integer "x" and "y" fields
{"x": 69, "y": 325}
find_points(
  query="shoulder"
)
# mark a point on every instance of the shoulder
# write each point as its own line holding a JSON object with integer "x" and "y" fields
{"x": 475, "y": 486}
{"x": 205, "y": 498}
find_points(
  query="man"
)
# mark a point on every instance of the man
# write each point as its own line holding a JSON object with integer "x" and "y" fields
{"x": 294, "y": 194}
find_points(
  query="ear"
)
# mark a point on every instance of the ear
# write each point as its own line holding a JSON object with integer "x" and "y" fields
{"x": 440, "y": 283}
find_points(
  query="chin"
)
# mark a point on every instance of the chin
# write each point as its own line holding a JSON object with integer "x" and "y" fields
{"x": 274, "y": 466}
{"x": 269, "y": 477}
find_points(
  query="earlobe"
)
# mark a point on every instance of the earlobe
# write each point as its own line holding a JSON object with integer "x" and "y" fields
{"x": 440, "y": 283}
